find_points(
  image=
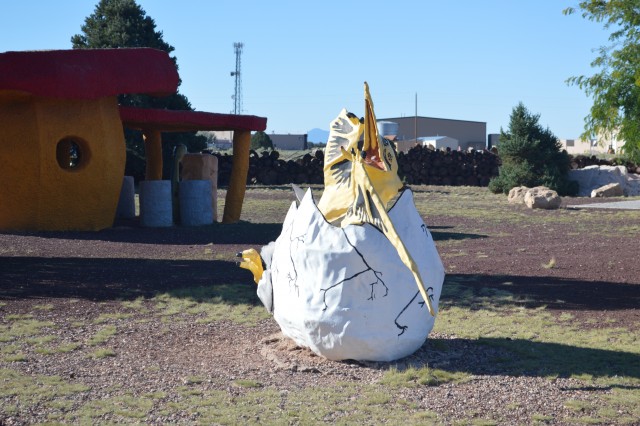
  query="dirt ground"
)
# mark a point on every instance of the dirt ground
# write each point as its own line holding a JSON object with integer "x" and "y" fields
{"x": 82, "y": 275}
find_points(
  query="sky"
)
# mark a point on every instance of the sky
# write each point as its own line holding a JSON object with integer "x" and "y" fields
{"x": 303, "y": 61}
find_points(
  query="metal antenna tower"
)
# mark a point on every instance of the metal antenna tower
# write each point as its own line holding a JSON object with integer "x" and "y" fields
{"x": 237, "y": 96}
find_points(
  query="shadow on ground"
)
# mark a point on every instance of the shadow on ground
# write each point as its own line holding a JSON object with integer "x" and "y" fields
{"x": 531, "y": 292}
{"x": 132, "y": 232}
{"x": 445, "y": 236}
{"x": 115, "y": 278}
{"x": 234, "y": 233}
{"x": 520, "y": 357}
{"x": 110, "y": 279}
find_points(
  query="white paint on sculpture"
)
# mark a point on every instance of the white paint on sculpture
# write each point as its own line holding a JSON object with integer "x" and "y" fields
{"x": 343, "y": 292}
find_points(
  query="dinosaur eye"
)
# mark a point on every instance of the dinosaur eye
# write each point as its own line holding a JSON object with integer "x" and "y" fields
{"x": 389, "y": 157}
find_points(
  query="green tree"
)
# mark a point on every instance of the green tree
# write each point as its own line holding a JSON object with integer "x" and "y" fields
{"x": 261, "y": 140}
{"x": 123, "y": 23}
{"x": 615, "y": 88}
{"x": 531, "y": 156}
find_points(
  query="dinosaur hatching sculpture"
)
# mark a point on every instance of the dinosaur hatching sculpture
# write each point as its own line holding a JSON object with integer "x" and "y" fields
{"x": 341, "y": 278}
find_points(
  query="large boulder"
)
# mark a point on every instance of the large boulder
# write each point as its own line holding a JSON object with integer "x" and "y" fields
{"x": 610, "y": 190}
{"x": 594, "y": 177}
{"x": 542, "y": 197}
{"x": 516, "y": 194}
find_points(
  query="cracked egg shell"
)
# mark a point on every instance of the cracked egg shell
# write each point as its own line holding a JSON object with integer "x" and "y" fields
{"x": 344, "y": 292}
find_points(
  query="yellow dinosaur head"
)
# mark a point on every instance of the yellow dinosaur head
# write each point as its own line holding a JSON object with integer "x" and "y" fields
{"x": 352, "y": 139}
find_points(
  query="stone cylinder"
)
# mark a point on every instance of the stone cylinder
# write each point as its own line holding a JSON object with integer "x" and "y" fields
{"x": 155, "y": 203}
{"x": 195, "y": 202}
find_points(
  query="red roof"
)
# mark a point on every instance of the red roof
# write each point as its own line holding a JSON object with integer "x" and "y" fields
{"x": 181, "y": 121}
{"x": 89, "y": 73}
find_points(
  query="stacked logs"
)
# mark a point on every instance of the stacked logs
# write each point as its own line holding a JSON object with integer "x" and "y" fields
{"x": 268, "y": 169}
{"x": 420, "y": 166}
{"x": 424, "y": 166}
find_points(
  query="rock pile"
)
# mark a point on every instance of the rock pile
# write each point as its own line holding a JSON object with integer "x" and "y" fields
{"x": 609, "y": 190}
{"x": 591, "y": 178}
{"x": 539, "y": 197}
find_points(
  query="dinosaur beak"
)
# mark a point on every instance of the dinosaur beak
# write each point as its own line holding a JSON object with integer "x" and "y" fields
{"x": 371, "y": 146}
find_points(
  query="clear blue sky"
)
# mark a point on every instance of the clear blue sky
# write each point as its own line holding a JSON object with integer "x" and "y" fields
{"x": 305, "y": 60}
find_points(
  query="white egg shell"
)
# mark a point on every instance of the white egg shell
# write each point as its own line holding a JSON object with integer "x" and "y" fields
{"x": 344, "y": 292}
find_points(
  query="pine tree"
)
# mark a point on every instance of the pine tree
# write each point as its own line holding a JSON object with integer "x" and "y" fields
{"x": 123, "y": 23}
{"x": 531, "y": 156}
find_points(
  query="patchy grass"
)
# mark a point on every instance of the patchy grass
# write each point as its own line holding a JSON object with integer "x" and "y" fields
{"x": 137, "y": 305}
{"x": 551, "y": 264}
{"x": 480, "y": 205}
{"x": 102, "y": 335}
{"x": 540, "y": 419}
{"x": 124, "y": 408}
{"x": 69, "y": 347}
{"x": 622, "y": 406}
{"x": 103, "y": 318}
{"x": 194, "y": 380}
{"x": 13, "y": 317}
{"x": 45, "y": 307}
{"x": 22, "y": 326}
{"x": 247, "y": 383}
{"x": 577, "y": 405}
{"x": 539, "y": 343}
{"x": 423, "y": 376}
{"x": 9, "y": 349}
{"x": 41, "y": 340}
{"x": 236, "y": 303}
{"x": 32, "y": 391}
{"x": 342, "y": 404}
{"x": 102, "y": 353}
{"x": 16, "y": 357}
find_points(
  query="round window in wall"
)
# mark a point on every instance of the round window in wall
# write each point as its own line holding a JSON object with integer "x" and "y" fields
{"x": 72, "y": 153}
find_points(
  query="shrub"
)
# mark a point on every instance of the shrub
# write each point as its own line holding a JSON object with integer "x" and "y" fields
{"x": 261, "y": 140}
{"x": 531, "y": 156}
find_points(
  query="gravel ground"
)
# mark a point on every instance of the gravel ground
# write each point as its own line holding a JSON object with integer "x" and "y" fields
{"x": 83, "y": 276}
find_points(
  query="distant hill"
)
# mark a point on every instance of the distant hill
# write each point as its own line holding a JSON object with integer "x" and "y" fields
{"x": 317, "y": 135}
